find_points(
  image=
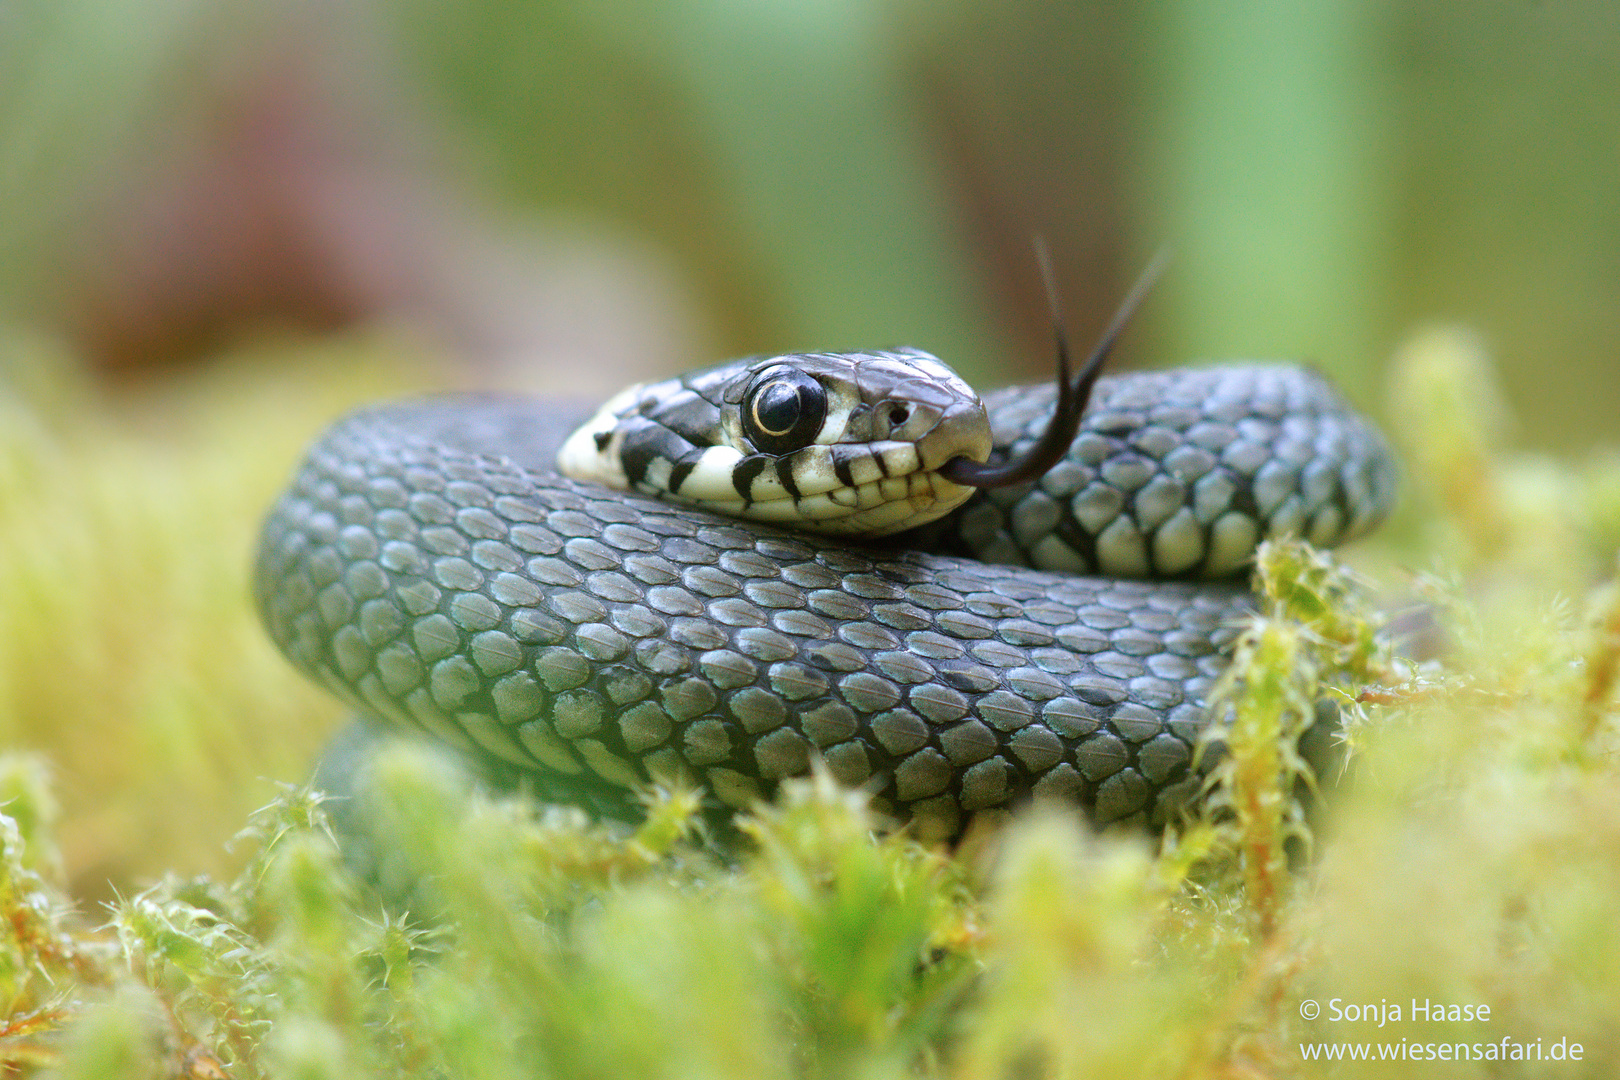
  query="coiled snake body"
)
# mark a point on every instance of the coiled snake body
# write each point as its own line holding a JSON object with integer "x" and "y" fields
{"x": 431, "y": 566}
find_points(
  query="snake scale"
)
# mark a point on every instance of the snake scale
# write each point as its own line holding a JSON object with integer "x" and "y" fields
{"x": 430, "y": 566}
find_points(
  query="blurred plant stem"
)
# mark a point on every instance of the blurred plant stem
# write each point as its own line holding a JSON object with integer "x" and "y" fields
{"x": 1265, "y": 125}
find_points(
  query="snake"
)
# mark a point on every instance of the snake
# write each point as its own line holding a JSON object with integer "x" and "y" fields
{"x": 568, "y": 592}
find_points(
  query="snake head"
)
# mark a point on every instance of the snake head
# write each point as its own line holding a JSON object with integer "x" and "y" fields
{"x": 839, "y": 443}
{"x": 853, "y": 444}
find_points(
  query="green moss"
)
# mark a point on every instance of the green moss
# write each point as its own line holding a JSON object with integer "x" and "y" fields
{"x": 130, "y": 653}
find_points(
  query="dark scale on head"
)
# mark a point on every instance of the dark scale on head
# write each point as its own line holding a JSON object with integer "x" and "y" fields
{"x": 711, "y": 385}
{"x": 645, "y": 442}
{"x": 690, "y": 417}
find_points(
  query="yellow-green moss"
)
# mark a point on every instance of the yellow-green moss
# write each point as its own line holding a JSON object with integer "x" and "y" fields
{"x": 130, "y": 652}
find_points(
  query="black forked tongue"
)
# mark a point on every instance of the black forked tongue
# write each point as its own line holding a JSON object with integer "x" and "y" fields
{"x": 1071, "y": 398}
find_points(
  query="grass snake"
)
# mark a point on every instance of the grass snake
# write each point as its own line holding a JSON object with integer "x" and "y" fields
{"x": 431, "y": 566}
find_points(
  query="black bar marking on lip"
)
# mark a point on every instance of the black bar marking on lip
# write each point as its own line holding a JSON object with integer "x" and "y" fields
{"x": 744, "y": 473}
{"x": 842, "y": 455}
{"x": 784, "y": 473}
{"x": 681, "y": 470}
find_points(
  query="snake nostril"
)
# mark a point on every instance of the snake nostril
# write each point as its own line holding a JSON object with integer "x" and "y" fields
{"x": 898, "y": 414}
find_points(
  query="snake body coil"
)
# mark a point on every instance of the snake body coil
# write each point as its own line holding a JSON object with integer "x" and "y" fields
{"x": 430, "y": 566}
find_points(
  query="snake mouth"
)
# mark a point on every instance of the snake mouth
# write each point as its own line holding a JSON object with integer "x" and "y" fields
{"x": 875, "y": 508}
{"x": 860, "y": 490}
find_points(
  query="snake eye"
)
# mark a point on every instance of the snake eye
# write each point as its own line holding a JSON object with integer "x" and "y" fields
{"x": 783, "y": 410}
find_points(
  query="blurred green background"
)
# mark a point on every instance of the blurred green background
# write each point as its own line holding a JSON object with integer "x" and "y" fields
{"x": 221, "y": 223}
{"x": 642, "y": 184}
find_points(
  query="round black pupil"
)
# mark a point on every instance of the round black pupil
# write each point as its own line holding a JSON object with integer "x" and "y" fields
{"x": 776, "y": 409}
